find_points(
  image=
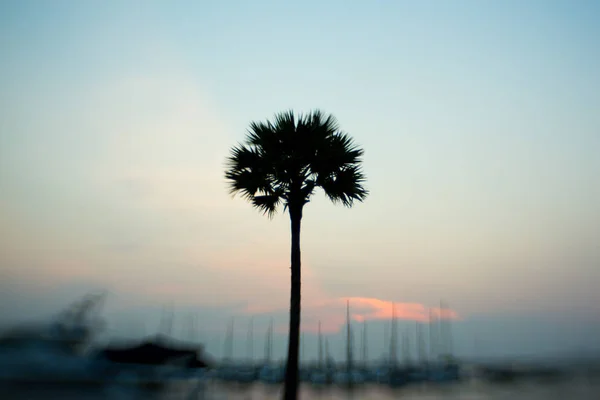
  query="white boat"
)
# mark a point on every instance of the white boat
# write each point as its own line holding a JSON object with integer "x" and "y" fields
{"x": 54, "y": 351}
{"x": 59, "y": 352}
{"x": 32, "y": 355}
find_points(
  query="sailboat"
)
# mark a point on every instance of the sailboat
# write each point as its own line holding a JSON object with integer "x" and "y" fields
{"x": 444, "y": 367}
{"x": 410, "y": 371}
{"x": 270, "y": 373}
{"x": 318, "y": 375}
{"x": 329, "y": 363}
{"x": 368, "y": 373}
{"x": 350, "y": 376}
{"x": 246, "y": 372}
{"x": 417, "y": 371}
{"x": 398, "y": 376}
{"x": 420, "y": 344}
{"x": 304, "y": 371}
{"x": 228, "y": 371}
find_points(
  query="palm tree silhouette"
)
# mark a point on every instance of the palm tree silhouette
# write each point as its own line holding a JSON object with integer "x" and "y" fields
{"x": 282, "y": 162}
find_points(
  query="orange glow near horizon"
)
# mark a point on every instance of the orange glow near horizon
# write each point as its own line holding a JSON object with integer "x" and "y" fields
{"x": 332, "y": 313}
{"x": 374, "y": 309}
{"x": 377, "y": 309}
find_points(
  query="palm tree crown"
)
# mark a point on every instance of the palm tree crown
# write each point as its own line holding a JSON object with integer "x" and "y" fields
{"x": 284, "y": 161}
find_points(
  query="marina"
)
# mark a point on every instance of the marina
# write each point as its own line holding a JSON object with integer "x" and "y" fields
{"x": 60, "y": 358}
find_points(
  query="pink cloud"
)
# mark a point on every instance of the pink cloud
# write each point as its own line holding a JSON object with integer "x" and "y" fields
{"x": 331, "y": 313}
{"x": 373, "y": 309}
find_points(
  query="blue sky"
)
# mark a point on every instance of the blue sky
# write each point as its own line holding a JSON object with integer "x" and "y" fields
{"x": 479, "y": 120}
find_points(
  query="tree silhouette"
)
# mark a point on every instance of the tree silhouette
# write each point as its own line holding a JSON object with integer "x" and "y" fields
{"x": 282, "y": 162}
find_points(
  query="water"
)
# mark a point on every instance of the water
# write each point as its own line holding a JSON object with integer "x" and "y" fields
{"x": 573, "y": 389}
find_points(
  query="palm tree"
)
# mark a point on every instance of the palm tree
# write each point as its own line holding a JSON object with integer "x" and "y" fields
{"x": 282, "y": 162}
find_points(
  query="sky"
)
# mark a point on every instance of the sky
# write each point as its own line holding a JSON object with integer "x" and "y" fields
{"x": 480, "y": 123}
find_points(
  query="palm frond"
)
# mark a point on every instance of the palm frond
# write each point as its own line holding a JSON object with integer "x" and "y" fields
{"x": 336, "y": 153}
{"x": 326, "y": 125}
{"x": 246, "y": 172}
{"x": 346, "y": 186}
{"x": 267, "y": 204}
{"x": 285, "y": 120}
{"x": 262, "y": 135}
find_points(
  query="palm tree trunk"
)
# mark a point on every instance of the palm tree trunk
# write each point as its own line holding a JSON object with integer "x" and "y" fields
{"x": 291, "y": 371}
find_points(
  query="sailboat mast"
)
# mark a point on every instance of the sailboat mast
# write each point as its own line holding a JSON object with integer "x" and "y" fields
{"x": 441, "y": 327}
{"x": 268, "y": 343}
{"x": 432, "y": 336}
{"x": 228, "y": 350}
{"x": 327, "y": 352}
{"x": 393, "y": 354}
{"x": 250, "y": 340}
{"x": 166, "y": 323}
{"x": 231, "y": 339}
{"x": 405, "y": 347}
{"x": 364, "y": 344}
{"x": 196, "y": 329}
{"x": 170, "y": 320}
{"x": 445, "y": 311}
{"x": 348, "y": 337}
{"x": 270, "y": 339}
{"x": 191, "y": 328}
{"x": 386, "y": 342}
{"x": 320, "y": 348}
{"x": 419, "y": 342}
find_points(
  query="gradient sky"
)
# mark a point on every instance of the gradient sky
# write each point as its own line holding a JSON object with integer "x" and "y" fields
{"x": 480, "y": 122}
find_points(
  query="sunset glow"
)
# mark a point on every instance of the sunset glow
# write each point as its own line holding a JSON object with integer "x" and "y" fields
{"x": 332, "y": 313}
{"x": 480, "y": 129}
{"x": 373, "y": 309}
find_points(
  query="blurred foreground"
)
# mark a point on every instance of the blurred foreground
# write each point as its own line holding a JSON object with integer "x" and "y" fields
{"x": 59, "y": 360}
{"x": 579, "y": 388}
